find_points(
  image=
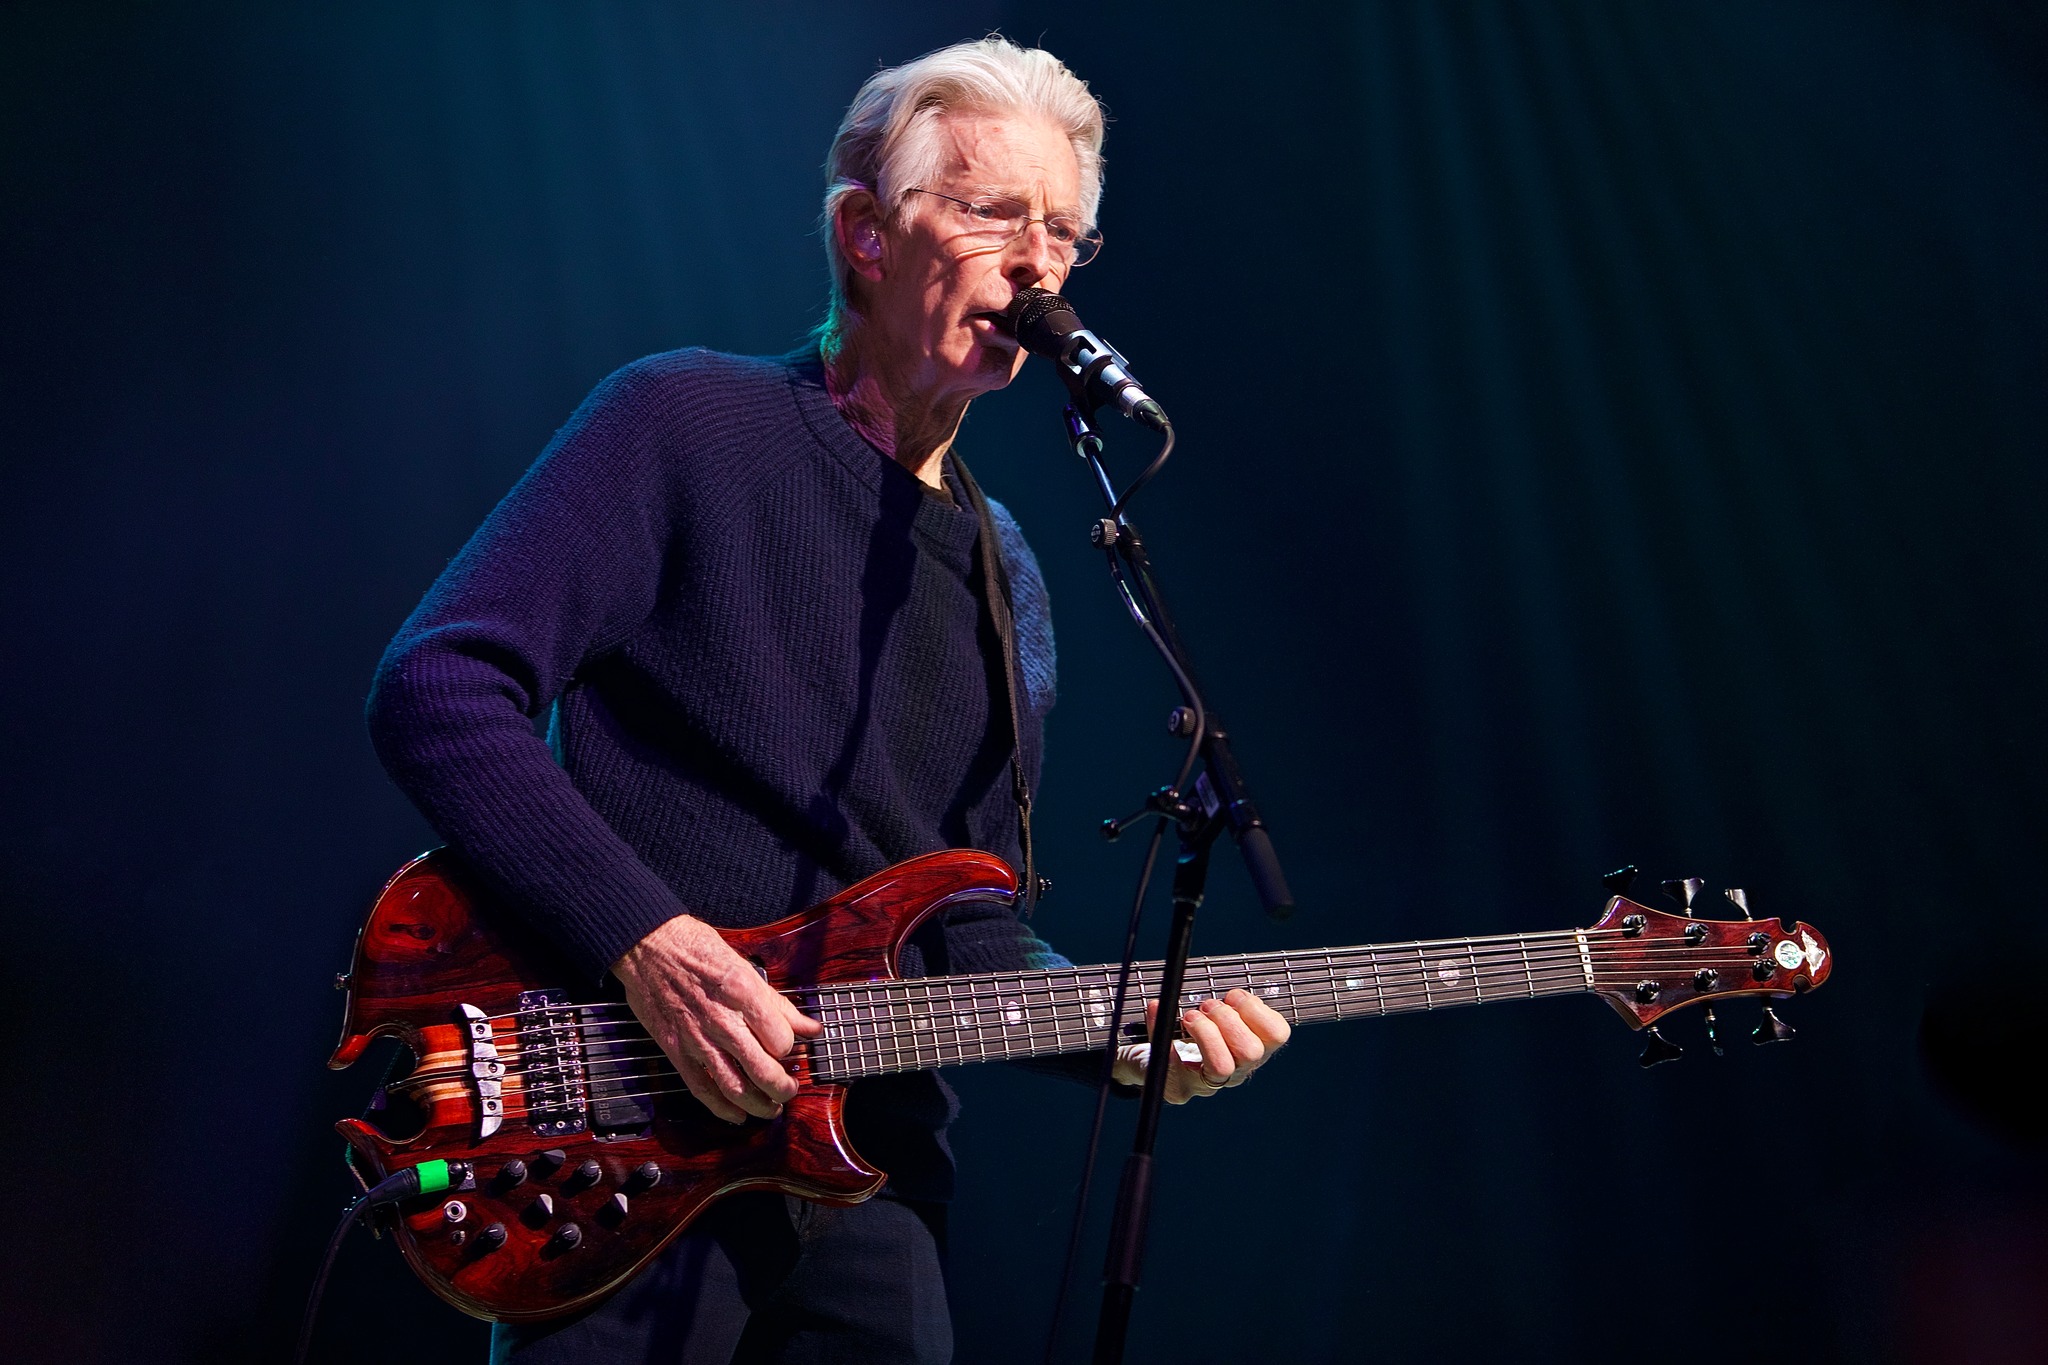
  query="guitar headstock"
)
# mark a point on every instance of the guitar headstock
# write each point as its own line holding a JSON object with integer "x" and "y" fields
{"x": 1647, "y": 963}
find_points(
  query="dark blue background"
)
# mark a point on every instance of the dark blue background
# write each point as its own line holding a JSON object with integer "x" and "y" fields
{"x": 1658, "y": 478}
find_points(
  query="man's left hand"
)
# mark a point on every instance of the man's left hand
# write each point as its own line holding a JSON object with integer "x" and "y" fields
{"x": 1236, "y": 1035}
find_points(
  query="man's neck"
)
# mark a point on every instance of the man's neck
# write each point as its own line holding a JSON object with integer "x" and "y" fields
{"x": 911, "y": 430}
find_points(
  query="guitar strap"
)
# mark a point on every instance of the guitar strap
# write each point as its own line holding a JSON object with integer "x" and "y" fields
{"x": 996, "y": 588}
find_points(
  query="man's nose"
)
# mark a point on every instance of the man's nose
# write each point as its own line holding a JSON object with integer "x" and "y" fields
{"x": 1032, "y": 258}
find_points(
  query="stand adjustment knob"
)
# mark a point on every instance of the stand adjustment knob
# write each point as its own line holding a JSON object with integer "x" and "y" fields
{"x": 1657, "y": 1048}
{"x": 1771, "y": 1029}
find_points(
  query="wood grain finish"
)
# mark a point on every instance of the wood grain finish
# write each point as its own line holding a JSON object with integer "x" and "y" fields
{"x": 431, "y": 944}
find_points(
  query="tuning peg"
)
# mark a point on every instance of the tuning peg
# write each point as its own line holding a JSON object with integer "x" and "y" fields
{"x": 1620, "y": 880}
{"x": 1683, "y": 890}
{"x": 1657, "y": 1048}
{"x": 1739, "y": 898}
{"x": 1714, "y": 1033}
{"x": 1771, "y": 1029}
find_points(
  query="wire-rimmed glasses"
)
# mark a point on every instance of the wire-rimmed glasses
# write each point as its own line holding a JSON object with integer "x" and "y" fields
{"x": 999, "y": 220}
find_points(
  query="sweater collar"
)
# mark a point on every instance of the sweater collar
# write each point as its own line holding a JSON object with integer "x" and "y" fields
{"x": 949, "y": 528}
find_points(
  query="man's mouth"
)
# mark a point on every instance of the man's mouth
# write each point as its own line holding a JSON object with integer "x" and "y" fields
{"x": 997, "y": 322}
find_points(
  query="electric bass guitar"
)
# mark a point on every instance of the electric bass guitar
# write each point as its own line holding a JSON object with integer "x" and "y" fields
{"x": 559, "y": 1152}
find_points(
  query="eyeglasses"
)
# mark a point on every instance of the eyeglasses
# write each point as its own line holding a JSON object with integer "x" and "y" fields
{"x": 997, "y": 221}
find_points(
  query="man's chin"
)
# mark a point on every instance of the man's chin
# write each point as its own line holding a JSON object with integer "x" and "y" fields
{"x": 996, "y": 366}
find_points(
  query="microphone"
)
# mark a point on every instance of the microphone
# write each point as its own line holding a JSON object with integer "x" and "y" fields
{"x": 1046, "y": 324}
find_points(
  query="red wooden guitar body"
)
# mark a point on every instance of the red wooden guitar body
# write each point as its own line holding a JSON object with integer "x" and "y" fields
{"x": 432, "y": 944}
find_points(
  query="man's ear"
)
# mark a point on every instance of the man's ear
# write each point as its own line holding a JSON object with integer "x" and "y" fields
{"x": 857, "y": 224}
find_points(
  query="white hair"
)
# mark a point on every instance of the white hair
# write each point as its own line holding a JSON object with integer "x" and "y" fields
{"x": 888, "y": 142}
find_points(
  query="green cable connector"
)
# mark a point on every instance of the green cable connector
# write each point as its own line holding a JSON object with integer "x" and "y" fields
{"x": 434, "y": 1176}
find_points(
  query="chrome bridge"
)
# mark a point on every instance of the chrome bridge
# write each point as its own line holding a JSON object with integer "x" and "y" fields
{"x": 581, "y": 1069}
{"x": 553, "y": 1077}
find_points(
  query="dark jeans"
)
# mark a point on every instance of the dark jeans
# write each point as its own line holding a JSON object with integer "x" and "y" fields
{"x": 765, "y": 1279}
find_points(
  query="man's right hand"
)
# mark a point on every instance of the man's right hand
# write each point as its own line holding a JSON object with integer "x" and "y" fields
{"x": 720, "y": 1022}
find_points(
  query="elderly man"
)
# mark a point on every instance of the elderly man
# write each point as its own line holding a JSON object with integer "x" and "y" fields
{"x": 753, "y": 598}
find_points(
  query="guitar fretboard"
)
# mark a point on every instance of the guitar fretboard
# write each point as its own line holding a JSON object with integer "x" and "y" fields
{"x": 876, "y": 1028}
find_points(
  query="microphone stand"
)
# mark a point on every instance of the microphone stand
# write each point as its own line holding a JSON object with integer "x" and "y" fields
{"x": 1218, "y": 799}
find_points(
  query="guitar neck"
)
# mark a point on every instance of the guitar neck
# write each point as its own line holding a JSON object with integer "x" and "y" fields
{"x": 876, "y": 1028}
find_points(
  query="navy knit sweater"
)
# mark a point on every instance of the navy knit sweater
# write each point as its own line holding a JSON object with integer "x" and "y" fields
{"x": 767, "y": 660}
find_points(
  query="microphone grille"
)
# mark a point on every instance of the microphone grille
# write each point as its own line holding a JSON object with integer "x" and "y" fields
{"x": 1041, "y": 319}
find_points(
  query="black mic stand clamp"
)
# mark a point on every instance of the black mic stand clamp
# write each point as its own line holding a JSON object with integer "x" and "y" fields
{"x": 1216, "y": 799}
{"x": 1124, "y": 1264}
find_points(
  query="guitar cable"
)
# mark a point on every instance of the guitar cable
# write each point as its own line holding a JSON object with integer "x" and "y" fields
{"x": 429, "y": 1177}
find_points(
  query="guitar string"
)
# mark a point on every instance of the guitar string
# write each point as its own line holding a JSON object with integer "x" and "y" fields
{"x": 1564, "y": 938}
{"x": 903, "y": 1005}
{"x": 900, "y": 1006}
{"x": 912, "y": 1033}
{"x": 887, "y": 1003}
{"x": 961, "y": 1046}
{"x": 894, "y": 997}
{"x": 1030, "y": 983}
{"x": 1310, "y": 1005}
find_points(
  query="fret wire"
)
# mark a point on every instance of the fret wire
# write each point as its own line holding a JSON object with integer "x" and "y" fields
{"x": 1059, "y": 1040}
{"x": 977, "y": 1015}
{"x": 931, "y": 1023}
{"x": 867, "y": 1043}
{"x": 888, "y": 1039}
{"x": 906, "y": 1004}
{"x": 1472, "y": 960}
{"x": 969, "y": 1024}
{"x": 1008, "y": 999}
{"x": 827, "y": 1044}
{"x": 944, "y": 1025}
{"x": 995, "y": 1002}
{"x": 850, "y": 1013}
{"x": 1330, "y": 971}
{"x": 1020, "y": 1001}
